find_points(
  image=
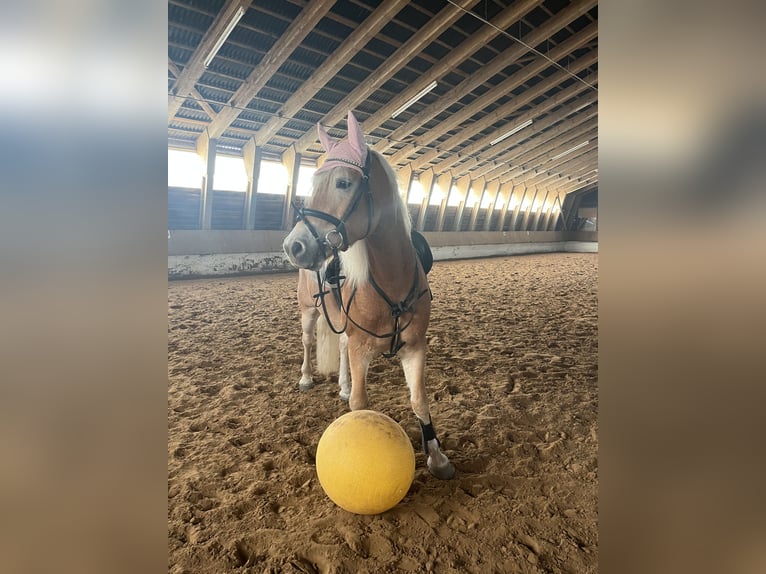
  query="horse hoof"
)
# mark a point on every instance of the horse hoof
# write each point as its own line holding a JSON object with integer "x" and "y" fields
{"x": 444, "y": 472}
{"x": 345, "y": 395}
{"x": 306, "y": 382}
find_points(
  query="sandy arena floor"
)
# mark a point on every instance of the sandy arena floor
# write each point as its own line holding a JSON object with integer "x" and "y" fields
{"x": 512, "y": 380}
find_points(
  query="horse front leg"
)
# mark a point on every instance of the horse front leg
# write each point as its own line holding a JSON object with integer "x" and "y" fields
{"x": 343, "y": 377}
{"x": 413, "y": 363}
{"x": 359, "y": 357}
{"x": 308, "y": 323}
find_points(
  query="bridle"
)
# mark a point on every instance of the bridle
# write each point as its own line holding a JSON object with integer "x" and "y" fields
{"x": 336, "y": 239}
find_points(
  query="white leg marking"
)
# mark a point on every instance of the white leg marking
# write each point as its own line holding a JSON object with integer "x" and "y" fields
{"x": 413, "y": 363}
{"x": 344, "y": 380}
{"x": 308, "y": 321}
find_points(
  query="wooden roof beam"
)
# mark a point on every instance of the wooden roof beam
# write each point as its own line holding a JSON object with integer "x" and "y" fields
{"x": 557, "y": 166}
{"x": 510, "y": 158}
{"x": 432, "y": 30}
{"x": 513, "y": 160}
{"x": 207, "y": 108}
{"x": 557, "y": 183}
{"x": 576, "y": 185}
{"x": 331, "y": 66}
{"x": 195, "y": 67}
{"x": 573, "y": 140}
{"x": 544, "y": 134}
{"x": 562, "y": 176}
{"x": 536, "y": 175}
{"x": 538, "y": 65}
{"x": 454, "y": 58}
{"x": 533, "y": 174}
{"x": 484, "y": 142}
{"x": 507, "y": 109}
{"x": 495, "y": 66}
{"x": 545, "y": 149}
{"x": 271, "y": 62}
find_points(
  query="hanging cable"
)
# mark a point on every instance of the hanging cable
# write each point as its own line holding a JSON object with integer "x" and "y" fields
{"x": 530, "y": 48}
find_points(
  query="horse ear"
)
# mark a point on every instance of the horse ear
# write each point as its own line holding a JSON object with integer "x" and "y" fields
{"x": 355, "y": 135}
{"x": 327, "y": 142}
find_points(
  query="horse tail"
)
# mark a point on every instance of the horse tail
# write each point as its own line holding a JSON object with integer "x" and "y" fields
{"x": 328, "y": 349}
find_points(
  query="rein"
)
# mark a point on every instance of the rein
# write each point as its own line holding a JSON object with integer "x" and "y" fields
{"x": 337, "y": 240}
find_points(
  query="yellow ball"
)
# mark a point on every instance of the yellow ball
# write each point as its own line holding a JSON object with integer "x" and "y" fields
{"x": 365, "y": 462}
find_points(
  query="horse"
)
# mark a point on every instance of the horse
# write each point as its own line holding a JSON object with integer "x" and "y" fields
{"x": 360, "y": 280}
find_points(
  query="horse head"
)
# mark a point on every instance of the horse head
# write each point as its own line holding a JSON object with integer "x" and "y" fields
{"x": 340, "y": 210}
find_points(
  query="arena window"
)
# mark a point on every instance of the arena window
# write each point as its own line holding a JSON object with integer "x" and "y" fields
{"x": 416, "y": 192}
{"x": 229, "y": 174}
{"x": 185, "y": 169}
{"x": 273, "y": 178}
{"x": 454, "y": 197}
{"x": 305, "y": 175}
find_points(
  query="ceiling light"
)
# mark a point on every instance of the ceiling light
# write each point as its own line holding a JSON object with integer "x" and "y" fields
{"x": 511, "y": 132}
{"x": 582, "y": 107}
{"x": 415, "y": 98}
{"x": 570, "y": 150}
{"x": 224, "y": 35}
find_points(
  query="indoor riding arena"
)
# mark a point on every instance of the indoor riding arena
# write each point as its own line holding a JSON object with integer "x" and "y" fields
{"x": 486, "y": 112}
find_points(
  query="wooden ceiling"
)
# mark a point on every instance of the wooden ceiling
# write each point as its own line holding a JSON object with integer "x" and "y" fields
{"x": 288, "y": 64}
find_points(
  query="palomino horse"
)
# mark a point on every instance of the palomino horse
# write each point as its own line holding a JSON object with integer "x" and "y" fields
{"x": 361, "y": 277}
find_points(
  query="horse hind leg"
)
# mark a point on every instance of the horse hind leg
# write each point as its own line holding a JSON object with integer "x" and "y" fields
{"x": 308, "y": 322}
{"x": 413, "y": 363}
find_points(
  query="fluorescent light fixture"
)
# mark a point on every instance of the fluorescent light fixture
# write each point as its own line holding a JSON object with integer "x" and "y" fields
{"x": 223, "y": 37}
{"x": 570, "y": 150}
{"x": 415, "y": 98}
{"x": 582, "y": 107}
{"x": 511, "y": 132}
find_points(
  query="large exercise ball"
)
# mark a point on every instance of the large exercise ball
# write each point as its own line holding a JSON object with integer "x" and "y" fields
{"x": 365, "y": 462}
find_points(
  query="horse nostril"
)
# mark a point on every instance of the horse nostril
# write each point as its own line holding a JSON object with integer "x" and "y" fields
{"x": 297, "y": 248}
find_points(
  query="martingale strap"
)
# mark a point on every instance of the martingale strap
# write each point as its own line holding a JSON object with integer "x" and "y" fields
{"x": 333, "y": 280}
{"x": 399, "y": 309}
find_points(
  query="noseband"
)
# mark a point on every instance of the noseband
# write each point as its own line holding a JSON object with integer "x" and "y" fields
{"x": 337, "y": 238}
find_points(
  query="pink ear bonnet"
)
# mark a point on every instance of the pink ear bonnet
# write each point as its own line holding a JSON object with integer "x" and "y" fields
{"x": 350, "y": 152}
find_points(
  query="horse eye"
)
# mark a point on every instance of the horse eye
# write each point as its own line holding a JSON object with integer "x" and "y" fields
{"x": 342, "y": 184}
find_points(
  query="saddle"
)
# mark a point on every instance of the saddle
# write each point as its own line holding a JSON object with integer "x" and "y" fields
{"x": 423, "y": 250}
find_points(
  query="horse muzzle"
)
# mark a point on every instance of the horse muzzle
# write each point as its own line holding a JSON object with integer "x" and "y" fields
{"x": 303, "y": 250}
